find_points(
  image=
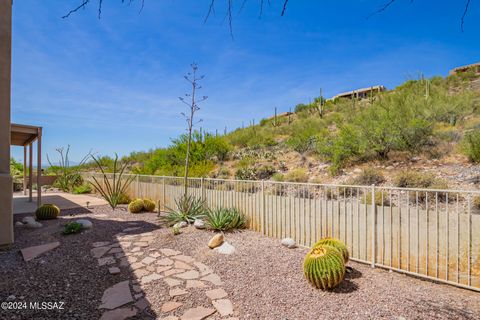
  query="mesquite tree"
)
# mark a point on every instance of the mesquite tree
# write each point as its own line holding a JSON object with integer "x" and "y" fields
{"x": 191, "y": 100}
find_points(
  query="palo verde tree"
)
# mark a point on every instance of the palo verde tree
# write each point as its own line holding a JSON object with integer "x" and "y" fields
{"x": 192, "y": 101}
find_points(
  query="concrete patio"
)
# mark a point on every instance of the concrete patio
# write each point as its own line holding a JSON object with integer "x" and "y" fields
{"x": 60, "y": 199}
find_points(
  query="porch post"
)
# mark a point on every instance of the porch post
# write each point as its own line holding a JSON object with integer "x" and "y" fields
{"x": 30, "y": 171}
{"x": 39, "y": 167}
{"x": 24, "y": 170}
{"x": 6, "y": 187}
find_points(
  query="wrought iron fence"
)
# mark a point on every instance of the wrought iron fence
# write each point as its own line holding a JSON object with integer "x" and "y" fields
{"x": 429, "y": 233}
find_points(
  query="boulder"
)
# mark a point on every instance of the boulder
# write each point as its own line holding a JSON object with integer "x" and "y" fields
{"x": 28, "y": 219}
{"x": 199, "y": 224}
{"x": 225, "y": 248}
{"x": 216, "y": 241}
{"x": 33, "y": 225}
{"x": 86, "y": 224}
{"x": 19, "y": 223}
{"x": 289, "y": 243}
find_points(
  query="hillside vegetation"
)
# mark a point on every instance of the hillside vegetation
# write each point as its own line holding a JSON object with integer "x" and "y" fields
{"x": 433, "y": 120}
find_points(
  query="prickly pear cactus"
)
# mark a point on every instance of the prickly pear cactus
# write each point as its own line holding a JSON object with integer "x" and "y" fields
{"x": 324, "y": 267}
{"x": 149, "y": 205}
{"x": 47, "y": 212}
{"x": 337, "y": 244}
{"x": 136, "y": 206}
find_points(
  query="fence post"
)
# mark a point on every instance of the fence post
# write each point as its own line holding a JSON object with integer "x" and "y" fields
{"x": 263, "y": 207}
{"x": 163, "y": 193}
{"x": 374, "y": 227}
{"x": 202, "y": 189}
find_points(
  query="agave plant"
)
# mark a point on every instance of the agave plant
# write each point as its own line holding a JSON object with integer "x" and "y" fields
{"x": 223, "y": 219}
{"x": 188, "y": 208}
{"x": 112, "y": 191}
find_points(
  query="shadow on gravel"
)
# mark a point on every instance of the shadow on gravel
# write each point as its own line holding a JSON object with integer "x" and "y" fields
{"x": 347, "y": 286}
{"x": 440, "y": 310}
{"x": 70, "y": 273}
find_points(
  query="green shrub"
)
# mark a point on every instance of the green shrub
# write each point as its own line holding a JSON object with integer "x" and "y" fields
{"x": 264, "y": 172}
{"x": 470, "y": 146}
{"x": 324, "y": 267}
{"x": 72, "y": 228}
{"x": 188, "y": 208}
{"x": 380, "y": 199}
{"x": 414, "y": 179}
{"x": 136, "y": 206}
{"x": 368, "y": 177}
{"x": 476, "y": 202}
{"x": 246, "y": 174}
{"x": 278, "y": 177}
{"x": 296, "y": 175}
{"x": 47, "y": 212}
{"x": 337, "y": 244}
{"x": 223, "y": 219}
{"x": 82, "y": 189}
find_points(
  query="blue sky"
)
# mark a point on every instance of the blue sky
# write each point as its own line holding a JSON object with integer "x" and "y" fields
{"x": 112, "y": 85}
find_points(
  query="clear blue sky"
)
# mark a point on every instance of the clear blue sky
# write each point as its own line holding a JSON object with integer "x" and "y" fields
{"x": 111, "y": 85}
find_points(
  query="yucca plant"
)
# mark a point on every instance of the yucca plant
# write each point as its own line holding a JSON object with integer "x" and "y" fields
{"x": 337, "y": 244}
{"x": 324, "y": 267}
{"x": 223, "y": 219}
{"x": 112, "y": 191}
{"x": 188, "y": 208}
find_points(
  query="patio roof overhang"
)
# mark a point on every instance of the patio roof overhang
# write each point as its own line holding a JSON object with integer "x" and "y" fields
{"x": 23, "y": 135}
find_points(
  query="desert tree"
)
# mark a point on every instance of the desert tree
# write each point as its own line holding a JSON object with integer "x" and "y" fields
{"x": 191, "y": 100}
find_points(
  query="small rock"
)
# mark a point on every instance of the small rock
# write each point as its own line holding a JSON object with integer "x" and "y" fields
{"x": 216, "y": 294}
{"x": 199, "y": 224}
{"x": 28, "y": 219}
{"x": 216, "y": 241}
{"x": 86, "y": 224}
{"x": 289, "y": 243}
{"x": 19, "y": 224}
{"x": 225, "y": 248}
{"x": 33, "y": 225}
{"x": 114, "y": 270}
{"x": 181, "y": 224}
{"x": 170, "y": 306}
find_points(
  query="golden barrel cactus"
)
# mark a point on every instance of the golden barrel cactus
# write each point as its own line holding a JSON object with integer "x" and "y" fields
{"x": 338, "y": 244}
{"x": 324, "y": 267}
{"x": 47, "y": 212}
{"x": 136, "y": 206}
{"x": 149, "y": 205}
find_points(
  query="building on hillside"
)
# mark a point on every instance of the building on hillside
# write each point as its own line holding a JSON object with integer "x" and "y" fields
{"x": 360, "y": 93}
{"x": 280, "y": 115}
{"x": 474, "y": 66}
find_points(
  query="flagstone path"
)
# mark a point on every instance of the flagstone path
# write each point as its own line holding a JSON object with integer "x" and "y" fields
{"x": 180, "y": 274}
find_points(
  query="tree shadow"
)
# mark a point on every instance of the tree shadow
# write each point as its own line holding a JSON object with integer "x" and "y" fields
{"x": 441, "y": 310}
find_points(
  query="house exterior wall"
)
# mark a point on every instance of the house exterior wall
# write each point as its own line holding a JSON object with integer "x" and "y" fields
{"x": 6, "y": 210}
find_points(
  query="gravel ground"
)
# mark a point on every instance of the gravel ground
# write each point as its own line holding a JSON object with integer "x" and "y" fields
{"x": 263, "y": 279}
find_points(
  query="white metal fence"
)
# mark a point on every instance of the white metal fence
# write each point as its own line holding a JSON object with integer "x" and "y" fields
{"x": 433, "y": 234}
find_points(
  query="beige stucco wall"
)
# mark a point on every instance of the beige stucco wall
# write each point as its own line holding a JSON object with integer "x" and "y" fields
{"x": 6, "y": 211}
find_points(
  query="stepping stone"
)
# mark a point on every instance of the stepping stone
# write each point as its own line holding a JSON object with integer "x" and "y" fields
{"x": 115, "y": 245}
{"x": 33, "y": 252}
{"x": 105, "y": 261}
{"x": 172, "y": 282}
{"x": 182, "y": 265}
{"x": 142, "y": 304}
{"x": 213, "y": 278}
{"x": 116, "y": 250}
{"x": 165, "y": 262}
{"x": 114, "y": 270}
{"x": 138, "y": 254}
{"x": 147, "y": 239}
{"x": 216, "y": 294}
{"x": 130, "y": 229}
{"x": 119, "y": 255}
{"x": 137, "y": 265}
{"x": 141, "y": 244}
{"x": 170, "y": 318}
{"x": 132, "y": 259}
{"x": 184, "y": 258}
{"x": 173, "y": 271}
{"x": 139, "y": 273}
{"x": 197, "y": 313}
{"x": 162, "y": 269}
{"x": 138, "y": 296}
{"x": 145, "y": 234}
{"x": 148, "y": 260}
{"x": 169, "y": 252}
{"x": 99, "y": 252}
{"x": 177, "y": 292}
{"x": 136, "y": 249}
{"x": 170, "y": 306}
{"x": 155, "y": 255}
{"x": 124, "y": 262}
{"x": 116, "y": 296}
{"x": 100, "y": 244}
{"x": 223, "y": 306}
{"x": 189, "y": 275}
{"x": 195, "y": 284}
{"x": 136, "y": 288}
{"x": 150, "y": 278}
{"x": 150, "y": 268}
{"x": 204, "y": 269}
{"x": 125, "y": 244}
{"x": 119, "y": 314}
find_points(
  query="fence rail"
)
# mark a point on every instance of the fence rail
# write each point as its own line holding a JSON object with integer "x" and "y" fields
{"x": 428, "y": 233}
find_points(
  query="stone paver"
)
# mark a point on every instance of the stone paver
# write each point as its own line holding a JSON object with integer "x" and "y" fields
{"x": 213, "y": 278}
{"x": 165, "y": 262}
{"x": 223, "y": 306}
{"x": 116, "y": 296}
{"x": 184, "y": 258}
{"x": 197, "y": 313}
{"x": 204, "y": 269}
{"x": 150, "y": 278}
{"x": 137, "y": 265}
{"x": 172, "y": 272}
{"x": 162, "y": 269}
{"x": 189, "y": 275}
{"x": 31, "y": 253}
{"x": 100, "y": 244}
{"x": 172, "y": 282}
{"x": 169, "y": 252}
{"x": 105, "y": 261}
{"x": 114, "y": 270}
{"x": 182, "y": 265}
{"x": 177, "y": 292}
{"x": 119, "y": 314}
{"x": 170, "y": 306}
{"x": 148, "y": 260}
{"x": 195, "y": 284}
{"x": 216, "y": 294}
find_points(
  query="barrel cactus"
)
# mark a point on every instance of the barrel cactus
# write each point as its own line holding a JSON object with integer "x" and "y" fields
{"x": 337, "y": 244}
{"x": 324, "y": 267}
{"x": 149, "y": 205}
{"x": 136, "y": 206}
{"x": 47, "y": 212}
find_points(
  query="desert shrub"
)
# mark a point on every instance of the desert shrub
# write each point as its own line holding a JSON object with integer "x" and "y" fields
{"x": 470, "y": 146}
{"x": 47, "y": 212}
{"x": 187, "y": 208}
{"x": 72, "y": 228}
{"x": 68, "y": 176}
{"x": 248, "y": 173}
{"x": 476, "y": 202}
{"x": 82, "y": 189}
{"x": 278, "y": 177}
{"x": 246, "y": 187}
{"x": 380, "y": 199}
{"x": 303, "y": 193}
{"x": 368, "y": 177}
{"x": 414, "y": 179}
{"x": 265, "y": 172}
{"x": 223, "y": 173}
{"x": 297, "y": 175}
{"x": 324, "y": 267}
{"x": 223, "y": 219}
{"x": 216, "y": 147}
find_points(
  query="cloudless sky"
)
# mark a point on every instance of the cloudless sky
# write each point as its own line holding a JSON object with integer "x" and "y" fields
{"x": 112, "y": 84}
